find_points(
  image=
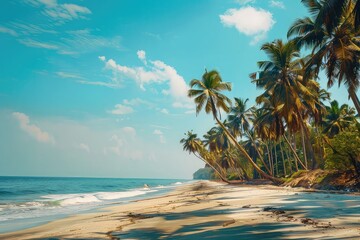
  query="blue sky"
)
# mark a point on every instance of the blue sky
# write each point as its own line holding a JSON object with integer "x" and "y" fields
{"x": 98, "y": 88}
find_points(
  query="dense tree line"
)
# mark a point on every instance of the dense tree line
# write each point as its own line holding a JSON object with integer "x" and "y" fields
{"x": 291, "y": 127}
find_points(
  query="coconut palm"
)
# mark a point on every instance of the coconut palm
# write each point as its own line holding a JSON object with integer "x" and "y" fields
{"x": 192, "y": 144}
{"x": 207, "y": 94}
{"x": 239, "y": 117}
{"x": 333, "y": 38}
{"x": 281, "y": 78}
{"x": 337, "y": 118}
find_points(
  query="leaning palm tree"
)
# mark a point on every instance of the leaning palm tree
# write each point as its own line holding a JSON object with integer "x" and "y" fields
{"x": 192, "y": 144}
{"x": 207, "y": 94}
{"x": 334, "y": 40}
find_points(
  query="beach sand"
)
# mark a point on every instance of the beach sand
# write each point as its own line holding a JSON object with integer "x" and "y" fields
{"x": 209, "y": 210}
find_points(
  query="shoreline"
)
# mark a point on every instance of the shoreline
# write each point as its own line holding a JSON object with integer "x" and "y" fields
{"x": 202, "y": 209}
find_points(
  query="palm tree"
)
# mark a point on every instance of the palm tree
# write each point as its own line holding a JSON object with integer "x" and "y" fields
{"x": 192, "y": 144}
{"x": 333, "y": 38}
{"x": 286, "y": 89}
{"x": 239, "y": 117}
{"x": 337, "y": 118}
{"x": 207, "y": 93}
{"x": 269, "y": 125}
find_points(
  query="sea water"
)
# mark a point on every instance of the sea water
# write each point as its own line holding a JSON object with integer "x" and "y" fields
{"x": 30, "y": 201}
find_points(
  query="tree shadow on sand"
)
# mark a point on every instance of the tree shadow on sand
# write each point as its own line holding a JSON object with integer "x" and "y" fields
{"x": 253, "y": 232}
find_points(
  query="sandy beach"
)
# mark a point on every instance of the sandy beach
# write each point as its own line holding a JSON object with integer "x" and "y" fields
{"x": 209, "y": 210}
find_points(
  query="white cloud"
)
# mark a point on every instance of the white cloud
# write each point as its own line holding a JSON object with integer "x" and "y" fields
{"x": 86, "y": 40}
{"x": 130, "y": 131}
{"x": 68, "y": 75}
{"x": 158, "y": 126}
{"x": 24, "y": 28}
{"x": 84, "y": 147}
{"x": 190, "y": 112}
{"x": 164, "y": 111}
{"x": 141, "y": 55}
{"x": 121, "y": 109}
{"x": 60, "y": 12}
{"x": 244, "y": 2}
{"x": 249, "y": 21}
{"x": 76, "y": 42}
{"x": 137, "y": 102}
{"x": 160, "y": 134}
{"x": 8, "y": 31}
{"x": 125, "y": 145}
{"x": 36, "y": 44}
{"x": 277, "y": 4}
{"x": 103, "y": 84}
{"x": 183, "y": 105}
{"x": 102, "y": 58}
{"x": 157, "y": 132}
{"x": 82, "y": 81}
{"x": 33, "y": 130}
{"x": 156, "y": 72}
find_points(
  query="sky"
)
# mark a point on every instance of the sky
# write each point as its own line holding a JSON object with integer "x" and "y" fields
{"x": 98, "y": 88}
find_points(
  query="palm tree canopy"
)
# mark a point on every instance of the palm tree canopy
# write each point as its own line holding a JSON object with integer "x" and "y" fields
{"x": 333, "y": 37}
{"x": 239, "y": 117}
{"x": 338, "y": 118}
{"x": 207, "y": 93}
{"x": 191, "y": 143}
{"x": 287, "y": 93}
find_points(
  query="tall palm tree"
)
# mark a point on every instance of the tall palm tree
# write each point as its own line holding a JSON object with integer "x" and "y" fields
{"x": 281, "y": 78}
{"x": 192, "y": 144}
{"x": 207, "y": 93}
{"x": 334, "y": 40}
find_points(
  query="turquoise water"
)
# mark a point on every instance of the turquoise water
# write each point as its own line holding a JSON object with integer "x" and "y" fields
{"x": 31, "y": 201}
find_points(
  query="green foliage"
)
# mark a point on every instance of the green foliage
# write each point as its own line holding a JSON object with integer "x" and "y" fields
{"x": 343, "y": 145}
{"x": 233, "y": 176}
{"x": 204, "y": 173}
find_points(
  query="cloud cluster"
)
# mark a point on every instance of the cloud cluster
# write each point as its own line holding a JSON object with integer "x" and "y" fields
{"x": 121, "y": 109}
{"x": 152, "y": 72}
{"x": 76, "y": 42}
{"x": 123, "y": 144}
{"x": 60, "y": 12}
{"x": 253, "y": 22}
{"x": 33, "y": 130}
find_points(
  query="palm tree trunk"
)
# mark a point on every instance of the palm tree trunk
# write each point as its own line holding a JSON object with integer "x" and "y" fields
{"x": 276, "y": 160}
{"x": 272, "y": 159}
{"x": 283, "y": 159}
{"x": 213, "y": 168}
{"x": 295, "y": 148}
{"x": 269, "y": 159}
{"x": 246, "y": 176}
{"x": 304, "y": 147}
{"x": 294, "y": 152}
{"x": 289, "y": 160}
{"x": 243, "y": 151}
{"x": 355, "y": 99}
{"x": 258, "y": 153}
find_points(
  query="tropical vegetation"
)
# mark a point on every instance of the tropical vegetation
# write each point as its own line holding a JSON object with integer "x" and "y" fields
{"x": 294, "y": 125}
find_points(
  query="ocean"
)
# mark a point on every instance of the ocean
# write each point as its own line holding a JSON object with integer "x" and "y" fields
{"x": 30, "y": 201}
